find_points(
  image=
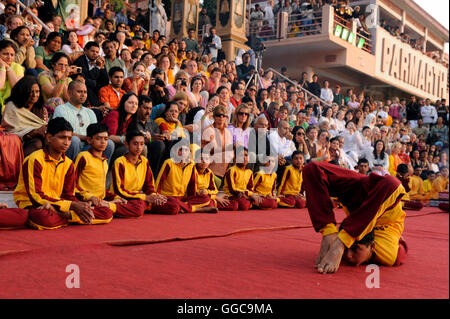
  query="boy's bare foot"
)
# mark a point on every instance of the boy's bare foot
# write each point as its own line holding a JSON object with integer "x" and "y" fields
{"x": 324, "y": 246}
{"x": 330, "y": 263}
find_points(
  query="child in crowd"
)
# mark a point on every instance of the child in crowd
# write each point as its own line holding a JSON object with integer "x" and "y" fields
{"x": 91, "y": 167}
{"x": 266, "y": 183}
{"x": 290, "y": 188}
{"x": 238, "y": 182}
{"x": 132, "y": 178}
{"x": 206, "y": 185}
{"x": 177, "y": 181}
{"x": 46, "y": 185}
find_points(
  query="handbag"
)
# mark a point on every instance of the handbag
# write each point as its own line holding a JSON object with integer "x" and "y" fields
{"x": 11, "y": 159}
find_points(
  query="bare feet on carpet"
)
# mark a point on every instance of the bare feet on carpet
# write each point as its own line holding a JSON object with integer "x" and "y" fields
{"x": 324, "y": 246}
{"x": 331, "y": 261}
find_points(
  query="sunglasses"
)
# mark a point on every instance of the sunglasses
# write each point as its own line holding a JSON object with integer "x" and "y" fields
{"x": 243, "y": 113}
{"x": 220, "y": 115}
{"x": 300, "y": 133}
{"x": 80, "y": 120}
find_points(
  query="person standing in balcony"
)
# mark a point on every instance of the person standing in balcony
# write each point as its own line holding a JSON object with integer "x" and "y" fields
{"x": 314, "y": 86}
{"x": 268, "y": 14}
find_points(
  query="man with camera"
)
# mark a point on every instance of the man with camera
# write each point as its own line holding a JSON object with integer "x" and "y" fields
{"x": 157, "y": 90}
{"x": 93, "y": 69}
{"x": 212, "y": 44}
{"x": 245, "y": 70}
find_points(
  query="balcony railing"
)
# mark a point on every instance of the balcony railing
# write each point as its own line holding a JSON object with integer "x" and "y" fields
{"x": 346, "y": 30}
{"x": 304, "y": 24}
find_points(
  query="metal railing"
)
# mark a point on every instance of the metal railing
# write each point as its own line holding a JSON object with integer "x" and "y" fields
{"x": 308, "y": 95}
{"x": 265, "y": 30}
{"x": 304, "y": 24}
{"x": 343, "y": 29}
{"x": 25, "y": 8}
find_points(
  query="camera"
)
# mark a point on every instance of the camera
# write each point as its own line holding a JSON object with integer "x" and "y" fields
{"x": 183, "y": 82}
{"x": 79, "y": 69}
{"x": 159, "y": 82}
{"x": 142, "y": 75}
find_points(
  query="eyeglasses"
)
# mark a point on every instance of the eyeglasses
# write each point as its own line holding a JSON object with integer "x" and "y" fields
{"x": 252, "y": 89}
{"x": 243, "y": 113}
{"x": 220, "y": 115}
{"x": 80, "y": 119}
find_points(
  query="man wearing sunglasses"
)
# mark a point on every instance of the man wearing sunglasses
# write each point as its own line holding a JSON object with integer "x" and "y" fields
{"x": 80, "y": 118}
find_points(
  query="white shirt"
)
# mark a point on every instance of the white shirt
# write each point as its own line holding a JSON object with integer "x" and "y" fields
{"x": 327, "y": 95}
{"x": 429, "y": 114}
{"x": 281, "y": 146}
{"x": 268, "y": 15}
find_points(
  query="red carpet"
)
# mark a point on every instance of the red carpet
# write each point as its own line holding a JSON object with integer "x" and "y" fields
{"x": 254, "y": 254}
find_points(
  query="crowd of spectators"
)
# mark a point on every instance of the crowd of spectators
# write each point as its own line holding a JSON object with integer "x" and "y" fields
{"x": 123, "y": 76}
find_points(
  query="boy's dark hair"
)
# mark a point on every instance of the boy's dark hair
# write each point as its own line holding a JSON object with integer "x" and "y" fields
{"x": 132, "y": 134}
{"x": 366, "y": 240}
{"x": 296, "y": 153}
{"x": 363, "y": 161}
{"x": 402, "y": 168}
{"x": 115, "y": 69}
{"x": 96, "y": 128}
{"x": 57, "y": 125}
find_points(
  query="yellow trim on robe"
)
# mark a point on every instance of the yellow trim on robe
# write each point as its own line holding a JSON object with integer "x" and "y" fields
{"x": 291, "y": 185}
{"x": 206, "y": 181}
{"x": 390, "y": 222}
{"x": 52, "y": 177}
{"x": 265, "y": 184}
{"x": 173, "y": 180}
{"x": 134, "y": 176}
{"x": 240, "y": 179}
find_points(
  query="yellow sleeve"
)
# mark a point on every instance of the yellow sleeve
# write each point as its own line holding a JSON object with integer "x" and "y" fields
{"x": 118, "y": 183}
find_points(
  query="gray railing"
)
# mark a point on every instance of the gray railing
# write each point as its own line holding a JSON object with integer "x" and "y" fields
{"x": 308, "y": 95}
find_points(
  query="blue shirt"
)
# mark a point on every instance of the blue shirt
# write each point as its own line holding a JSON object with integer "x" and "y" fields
{"x": 79, "y": 118}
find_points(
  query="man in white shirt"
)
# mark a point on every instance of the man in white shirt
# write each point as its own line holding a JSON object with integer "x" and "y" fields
{"x": 279, "y": 142}
{"x": 215, "y": 45}
{"x": 429, "y": 113}
{"x": 326, "y": 93}
{"x": 268, "y": 13}
{"x": 80, "y": 118}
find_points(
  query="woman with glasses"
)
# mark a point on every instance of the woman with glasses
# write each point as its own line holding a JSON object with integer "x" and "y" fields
{"x": 55, "y": 82}
{"x": 218, "y": 141}
{"x": 299, "y": 141}
{"x": 239, "y": 127}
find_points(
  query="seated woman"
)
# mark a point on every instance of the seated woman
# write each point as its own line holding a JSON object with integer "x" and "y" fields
{"x": 10, "y": 71}
{"x": 45, "y": 53}
{"x": 118, "y": 122}
{"x": 25, "y": 114}
{"x": 139, "y": 81}
{"x": 25, "y": 55}
{"x": 239, "y": 127}
{"x": 71, "y": 47}
{"x": 55, "y": 83}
